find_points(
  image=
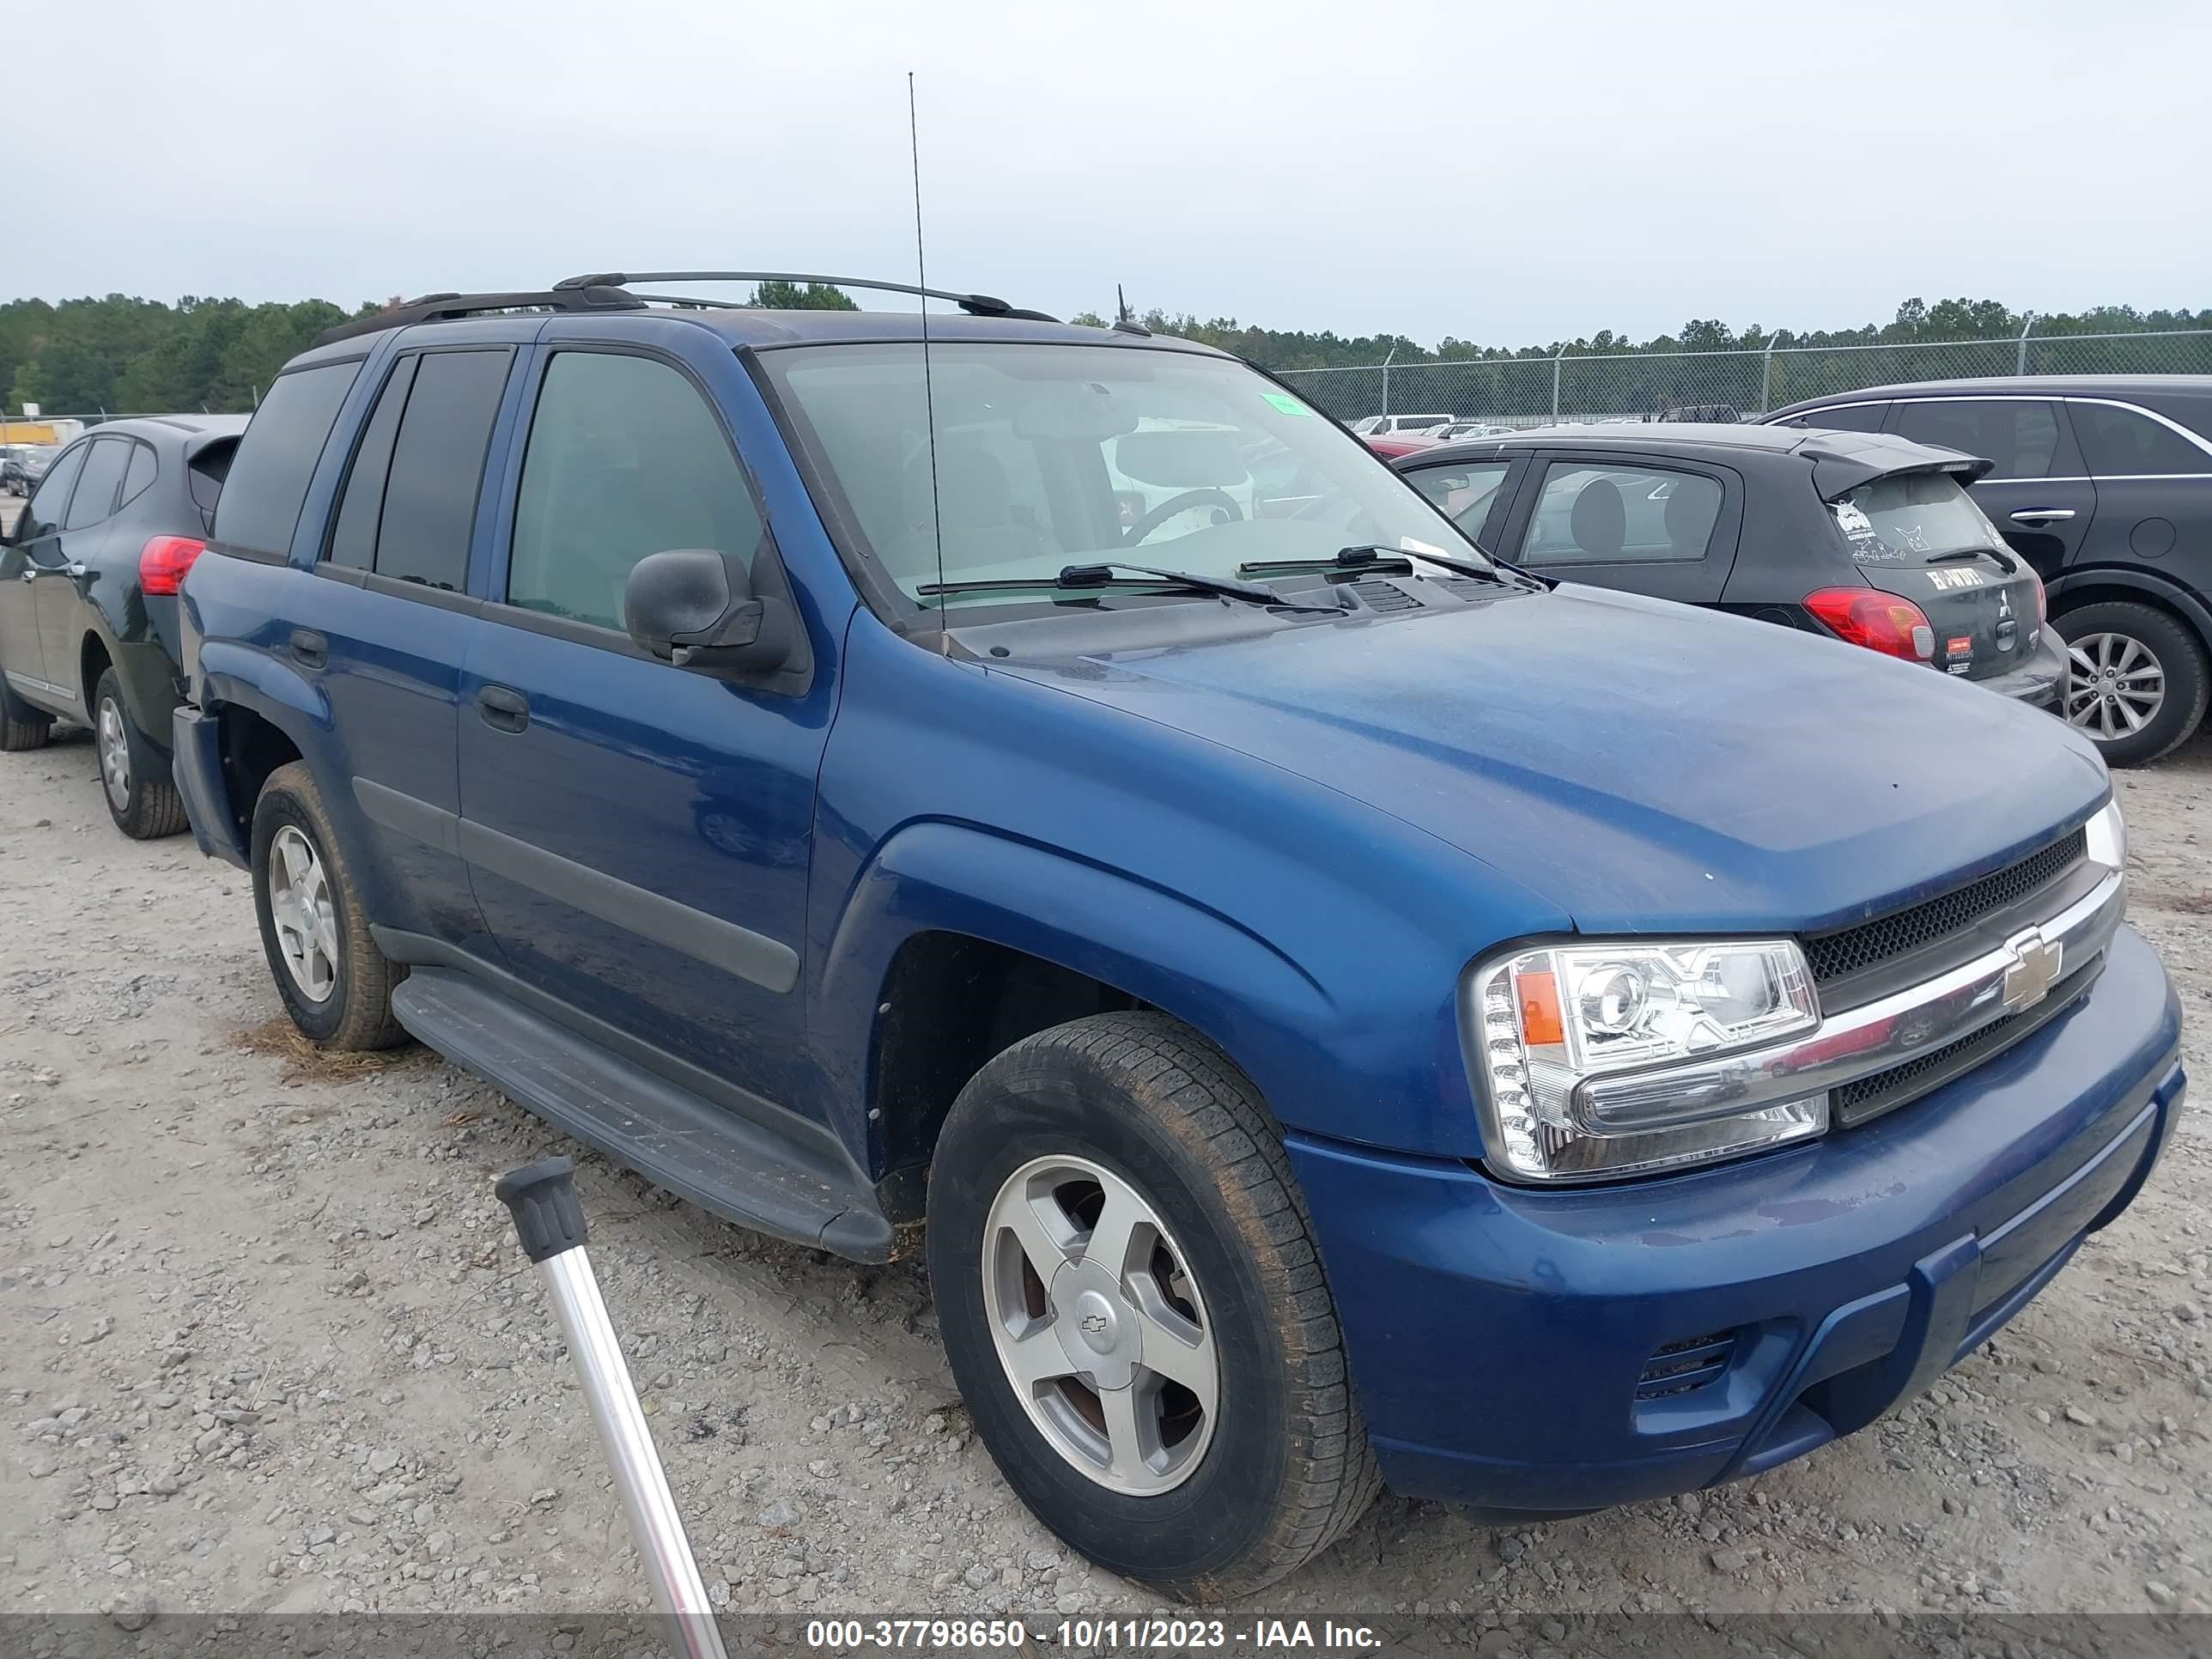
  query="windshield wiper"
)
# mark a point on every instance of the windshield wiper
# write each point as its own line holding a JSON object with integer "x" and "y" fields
{"x": 1961, "y": 554}
{"x": 1496, "y": 571}
{"x": 1083, "y": 577}
{"x": 1345, "y": 558}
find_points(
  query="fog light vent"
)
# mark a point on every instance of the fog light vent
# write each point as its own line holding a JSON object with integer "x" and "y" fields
{"x": 1680, "y": 1367}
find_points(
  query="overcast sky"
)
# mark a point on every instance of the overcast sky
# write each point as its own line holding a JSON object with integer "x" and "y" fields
{"x": 1505, "y": 172}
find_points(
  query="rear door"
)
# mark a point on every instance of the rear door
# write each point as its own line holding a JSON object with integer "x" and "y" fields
{"x": 1662, "y": 526}
{"x": 1920, "y": 536}
{"x": 2038, "y": 493}
{"x": 83, "y": 546}
{"x": 2153, "y": 480}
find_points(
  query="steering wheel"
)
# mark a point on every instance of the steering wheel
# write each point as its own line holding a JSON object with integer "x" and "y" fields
{"x": 1174, "y": 504}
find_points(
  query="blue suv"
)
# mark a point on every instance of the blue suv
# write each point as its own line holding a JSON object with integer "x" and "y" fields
{"x": 1340, "y": 1010}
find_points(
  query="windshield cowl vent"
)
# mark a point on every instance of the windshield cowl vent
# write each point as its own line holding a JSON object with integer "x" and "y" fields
{"x": 1378, "y": 594}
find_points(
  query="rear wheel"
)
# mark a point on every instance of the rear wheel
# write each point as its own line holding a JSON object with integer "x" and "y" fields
{"x": 2136, "y": 679}
{"x": 336, "y": 984}
{"x": 1135, "y": 1311}
{"x": 21, "y": 726}
{"x": 133, "y": 776}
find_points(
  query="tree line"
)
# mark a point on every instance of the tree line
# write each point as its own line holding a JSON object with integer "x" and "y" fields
{"x": 122, "y": 354}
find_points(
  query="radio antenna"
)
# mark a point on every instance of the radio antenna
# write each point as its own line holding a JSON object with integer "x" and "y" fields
{"x": 928, "y": 392}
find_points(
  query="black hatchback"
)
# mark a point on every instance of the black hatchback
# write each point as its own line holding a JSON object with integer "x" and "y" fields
{"x": 2104, "y": 481}
{"x": 1868, "y": 539}
{"x": 88, "y": 577}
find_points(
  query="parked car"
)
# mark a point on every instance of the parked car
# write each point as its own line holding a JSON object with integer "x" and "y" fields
{"x": 1398, "y": 426}
{"x": 1335, "y": 1010}
{"x": 1859, "y": 536}
{"x": 1406, "y": 443}
{"x": 89, "y": 577}
{"x": 23, "y": 465}
{"x": 2104, "y": 483}
{"x": 1460, "y": 430}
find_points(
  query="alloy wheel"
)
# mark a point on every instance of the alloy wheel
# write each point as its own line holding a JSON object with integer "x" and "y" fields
{"x": 114, "y": 746}
{"x": 2114, "y": 685}
{"x": 301, "y": 909}
{"x": 1100, "y": 1326}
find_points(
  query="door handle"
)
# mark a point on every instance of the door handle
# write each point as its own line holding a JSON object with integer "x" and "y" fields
{"x": 2042, "y": 514}
{"x": 309, "y": 648}
{"x": 503, "y": 709}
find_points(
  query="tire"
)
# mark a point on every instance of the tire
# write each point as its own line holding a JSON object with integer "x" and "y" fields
{"x": 134, "y": 778}
{"x": 353, "y": 1010}
{"x": 2097, "y": 637}
{"x": 21, "y": 726}
{"x": 1280, "y": 1467}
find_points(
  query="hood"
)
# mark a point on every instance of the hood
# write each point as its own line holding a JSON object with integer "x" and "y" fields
{"x": 1648, "y": 767}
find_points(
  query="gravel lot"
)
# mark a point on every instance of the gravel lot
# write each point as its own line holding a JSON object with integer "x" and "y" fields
{"x": 266, "y": 1342}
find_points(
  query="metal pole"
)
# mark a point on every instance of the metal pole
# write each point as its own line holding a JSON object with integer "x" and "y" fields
{"x": 1386, "y": 381}
{"x": 1766, "y": 373}
{"x": 2021, "y": 367}
{"x": 1560, "y": 353}
{"x": 549, "y": 1221}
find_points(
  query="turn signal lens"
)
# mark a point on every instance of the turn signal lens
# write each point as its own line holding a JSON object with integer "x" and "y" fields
{"x": 162, "y": 564}
{"x": 1881, "y": 622}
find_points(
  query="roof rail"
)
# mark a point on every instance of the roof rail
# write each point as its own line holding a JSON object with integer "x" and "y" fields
{"x": 975, "y": 305}
{"x": 593, "y": 296}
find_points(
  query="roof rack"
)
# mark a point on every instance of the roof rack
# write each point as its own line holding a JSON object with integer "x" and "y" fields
{"x": 593, "y": 296}
{"x": 975, "y": 305}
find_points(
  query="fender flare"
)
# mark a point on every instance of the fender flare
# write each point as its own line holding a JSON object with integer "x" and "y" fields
{"x": 1164, "y": 948}
{"x": 245, "y": 676}
{"x": 2142, "y": 582}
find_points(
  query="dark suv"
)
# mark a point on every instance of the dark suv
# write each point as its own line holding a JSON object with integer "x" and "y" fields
{"x": 2104, "y": 483}
{"x": 1334, "y": 1009}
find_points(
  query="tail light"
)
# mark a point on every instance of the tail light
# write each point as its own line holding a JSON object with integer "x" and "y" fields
{"x": 2042, "y": 602}
{"x": 163, "y": 565}
{"x": 1881, "y": 622}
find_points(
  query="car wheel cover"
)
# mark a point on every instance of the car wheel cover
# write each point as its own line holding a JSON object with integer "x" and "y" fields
{"x": 1099, "y": 1325}
{"x": 2114, "y": 685}
{"x": 301, "y": 910}
{"x": 114, "y": 744}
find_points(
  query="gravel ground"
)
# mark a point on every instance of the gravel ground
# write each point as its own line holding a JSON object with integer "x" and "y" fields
{"x": 266, "y": 1343}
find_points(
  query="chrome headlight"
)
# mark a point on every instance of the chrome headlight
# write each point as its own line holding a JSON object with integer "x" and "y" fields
{"x": 2107, "y": 836}
{"x": 1560, "y": 1032}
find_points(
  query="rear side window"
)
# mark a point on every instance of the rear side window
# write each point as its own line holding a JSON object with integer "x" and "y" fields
{"x": 2020, "y": 434}
{"x": 1465, "y": 493}
{"x": 140, "y": 477}
{"x": 1844, "y": 417}
{"x": 360, "y": 508}
{"x": 2121, "y": 443}
{"x": 268, "y": 482}
{"x": 1902, "y": 519}
{"x": 1620, "y": 515}
{"x": 625, "y": 458}
{"x": 103, "y": 476}
{"x": 437, "y": 466}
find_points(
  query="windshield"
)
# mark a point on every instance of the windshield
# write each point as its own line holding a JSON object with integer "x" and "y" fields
{"x": 1048, "y": 456}
{"x": 1906, "y": 517}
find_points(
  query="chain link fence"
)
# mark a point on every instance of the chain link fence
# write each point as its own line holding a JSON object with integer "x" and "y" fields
{"x": 1524, "y": 392}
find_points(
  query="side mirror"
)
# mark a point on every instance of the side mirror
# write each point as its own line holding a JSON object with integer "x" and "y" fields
{"x": 695, "y": 607}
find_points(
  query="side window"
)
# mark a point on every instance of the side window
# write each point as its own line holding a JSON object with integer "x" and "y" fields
{"x": 1844, "y": 417}
{"x": 2020, "y": 434}
{"x": 1465, "y": 493}
{"x": 1590, "y": 514}
{"x": 140, "y": 477}
{"x": 261, "y": 499}
{"x": 360, "y": 508}
{"x": 42, "y": 516}
{"x": 624, "y": 458}
{"x": 2121, "y": 443}
{"x": 437, "y": 467}
{"x": 95, "y": 491}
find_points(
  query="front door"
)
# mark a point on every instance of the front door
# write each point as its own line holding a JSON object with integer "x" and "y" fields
{"x": 637, "y": 833}
{"x": 32, "y": 559}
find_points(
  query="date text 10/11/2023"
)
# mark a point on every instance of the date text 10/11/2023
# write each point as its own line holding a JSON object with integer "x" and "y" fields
{"x": 1096, "y": 1635}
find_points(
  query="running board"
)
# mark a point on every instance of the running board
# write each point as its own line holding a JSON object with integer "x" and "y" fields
{"x": 725, "y": 1164}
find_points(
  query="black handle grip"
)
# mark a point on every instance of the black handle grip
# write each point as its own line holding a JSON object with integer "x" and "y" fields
{"x": 549, "y": 1217}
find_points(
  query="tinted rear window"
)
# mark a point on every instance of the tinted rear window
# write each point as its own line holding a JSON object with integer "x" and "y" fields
{"x": 437, "y": 464}
{"x": 1905, "y": 517}
{"x": 2020, "y": 434}
{"x": 95, "y": 491}
{"x": 268, "y": 482}
{"x": 2121, "y": 443}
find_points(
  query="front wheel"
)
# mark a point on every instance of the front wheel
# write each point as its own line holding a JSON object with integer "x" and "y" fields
{"x": 2136, "y": 679}
{"x": 1135, "y": 1310}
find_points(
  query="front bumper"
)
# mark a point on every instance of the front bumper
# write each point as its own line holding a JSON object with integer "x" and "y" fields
{"x": 2038, "y": 680}
{"x": 1530, "y": 1350}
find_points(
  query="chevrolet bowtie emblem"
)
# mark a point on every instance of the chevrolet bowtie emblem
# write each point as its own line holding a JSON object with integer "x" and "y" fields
{"x": 2035, "y": 966}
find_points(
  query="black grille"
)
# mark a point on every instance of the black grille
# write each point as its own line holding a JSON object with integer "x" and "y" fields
{"x": 1853, "y": 949}
{"x": 1899, "y": 1078}
{"x": 1870, "y": 1096}
{"x": 1385, "y": 596}
{"x": 1680, "y": 1367}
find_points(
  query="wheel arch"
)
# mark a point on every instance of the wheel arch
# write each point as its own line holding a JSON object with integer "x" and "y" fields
{"x": 2073, "y": 589}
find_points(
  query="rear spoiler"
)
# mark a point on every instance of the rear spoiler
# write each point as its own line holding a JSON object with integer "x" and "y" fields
{"x": 1839, "y": 468}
